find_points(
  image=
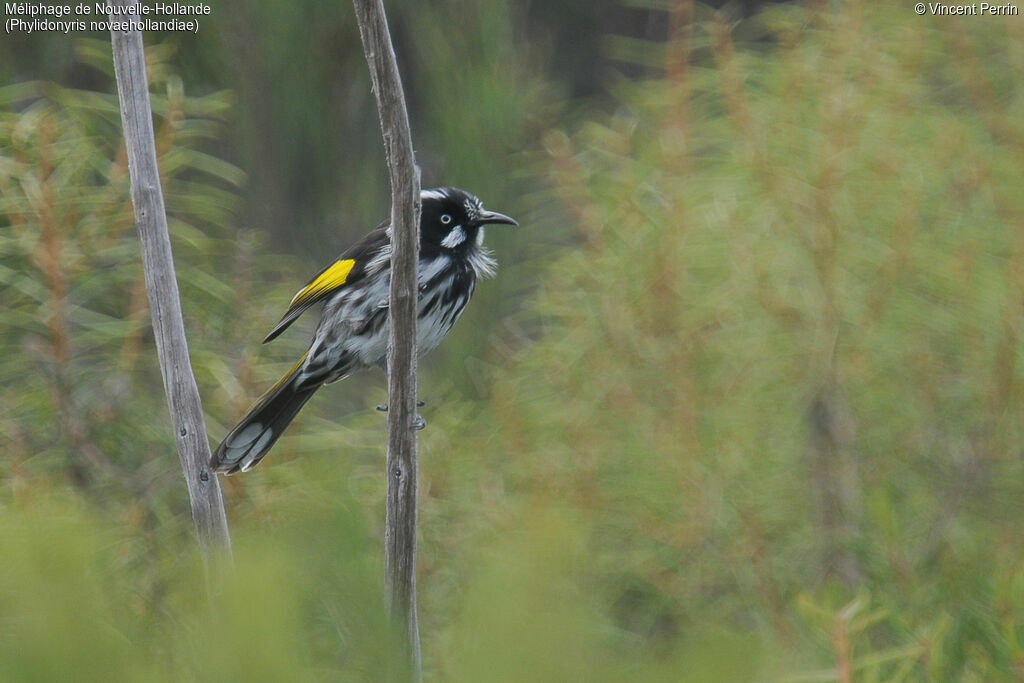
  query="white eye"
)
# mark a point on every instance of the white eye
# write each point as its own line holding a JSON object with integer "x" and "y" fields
{"x": 446, "y": 219}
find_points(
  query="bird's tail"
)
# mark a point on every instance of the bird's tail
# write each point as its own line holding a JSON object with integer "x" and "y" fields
{"x": 249, "y": 441}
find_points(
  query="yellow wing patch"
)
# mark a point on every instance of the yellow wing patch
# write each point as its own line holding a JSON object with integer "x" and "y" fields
{"x": 332, "y": 278}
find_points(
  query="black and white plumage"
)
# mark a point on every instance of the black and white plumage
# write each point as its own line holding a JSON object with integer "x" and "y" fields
{"x": 353, "y": 329}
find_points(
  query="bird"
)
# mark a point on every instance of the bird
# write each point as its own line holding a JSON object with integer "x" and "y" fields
{"x": 353, "y": 329}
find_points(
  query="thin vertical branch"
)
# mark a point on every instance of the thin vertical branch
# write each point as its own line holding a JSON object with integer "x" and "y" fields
{"x": 162, "y": 289}
{"x": 841, "y": 643}
{"x": 400, "y": 534}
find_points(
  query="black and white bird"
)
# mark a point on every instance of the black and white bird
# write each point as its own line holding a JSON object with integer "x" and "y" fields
{"x": 353, "y": 329}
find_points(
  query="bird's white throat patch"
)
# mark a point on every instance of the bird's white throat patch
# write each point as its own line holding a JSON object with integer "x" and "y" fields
{"x": 454, "y": 238}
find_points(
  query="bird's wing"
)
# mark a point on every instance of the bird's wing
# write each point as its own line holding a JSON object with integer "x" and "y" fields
{"x": 348, "y": 269}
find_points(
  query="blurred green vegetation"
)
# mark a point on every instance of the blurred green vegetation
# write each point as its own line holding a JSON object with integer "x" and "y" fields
{"x": 744, "y": 402}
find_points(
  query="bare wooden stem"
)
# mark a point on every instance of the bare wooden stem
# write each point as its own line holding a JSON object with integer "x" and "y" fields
{"x": 400, "y": 534}
{"x": 162, "y": 290}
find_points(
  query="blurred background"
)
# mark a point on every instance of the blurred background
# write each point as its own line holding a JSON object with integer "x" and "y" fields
{"x": 743, "y": 403}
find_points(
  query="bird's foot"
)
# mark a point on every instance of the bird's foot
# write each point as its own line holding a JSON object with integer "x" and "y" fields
{"x": 383, "y": 407}
{"x": 418, "y": 423}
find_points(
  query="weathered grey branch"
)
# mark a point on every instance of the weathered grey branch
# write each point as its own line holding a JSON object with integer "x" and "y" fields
{"x": 400, "y": 534}
{"x": 162, "y": 289}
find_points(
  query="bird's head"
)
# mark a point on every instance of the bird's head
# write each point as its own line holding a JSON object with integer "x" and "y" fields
{"x": 454, "y": 218}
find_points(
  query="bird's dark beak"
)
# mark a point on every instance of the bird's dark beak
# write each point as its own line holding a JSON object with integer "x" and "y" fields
{"x": 486, "y": 217}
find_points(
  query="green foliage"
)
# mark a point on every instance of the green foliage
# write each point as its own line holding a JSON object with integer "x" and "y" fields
{"x": 76, "y": 606}
{"x": 759, "y": 417}
{"x": 80, "y": 395}
{"x": 786, "y": 361}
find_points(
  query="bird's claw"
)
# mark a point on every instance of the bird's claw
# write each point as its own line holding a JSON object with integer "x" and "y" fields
{"x": 383, "y": 407}
{"x": 418, "y": 423}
